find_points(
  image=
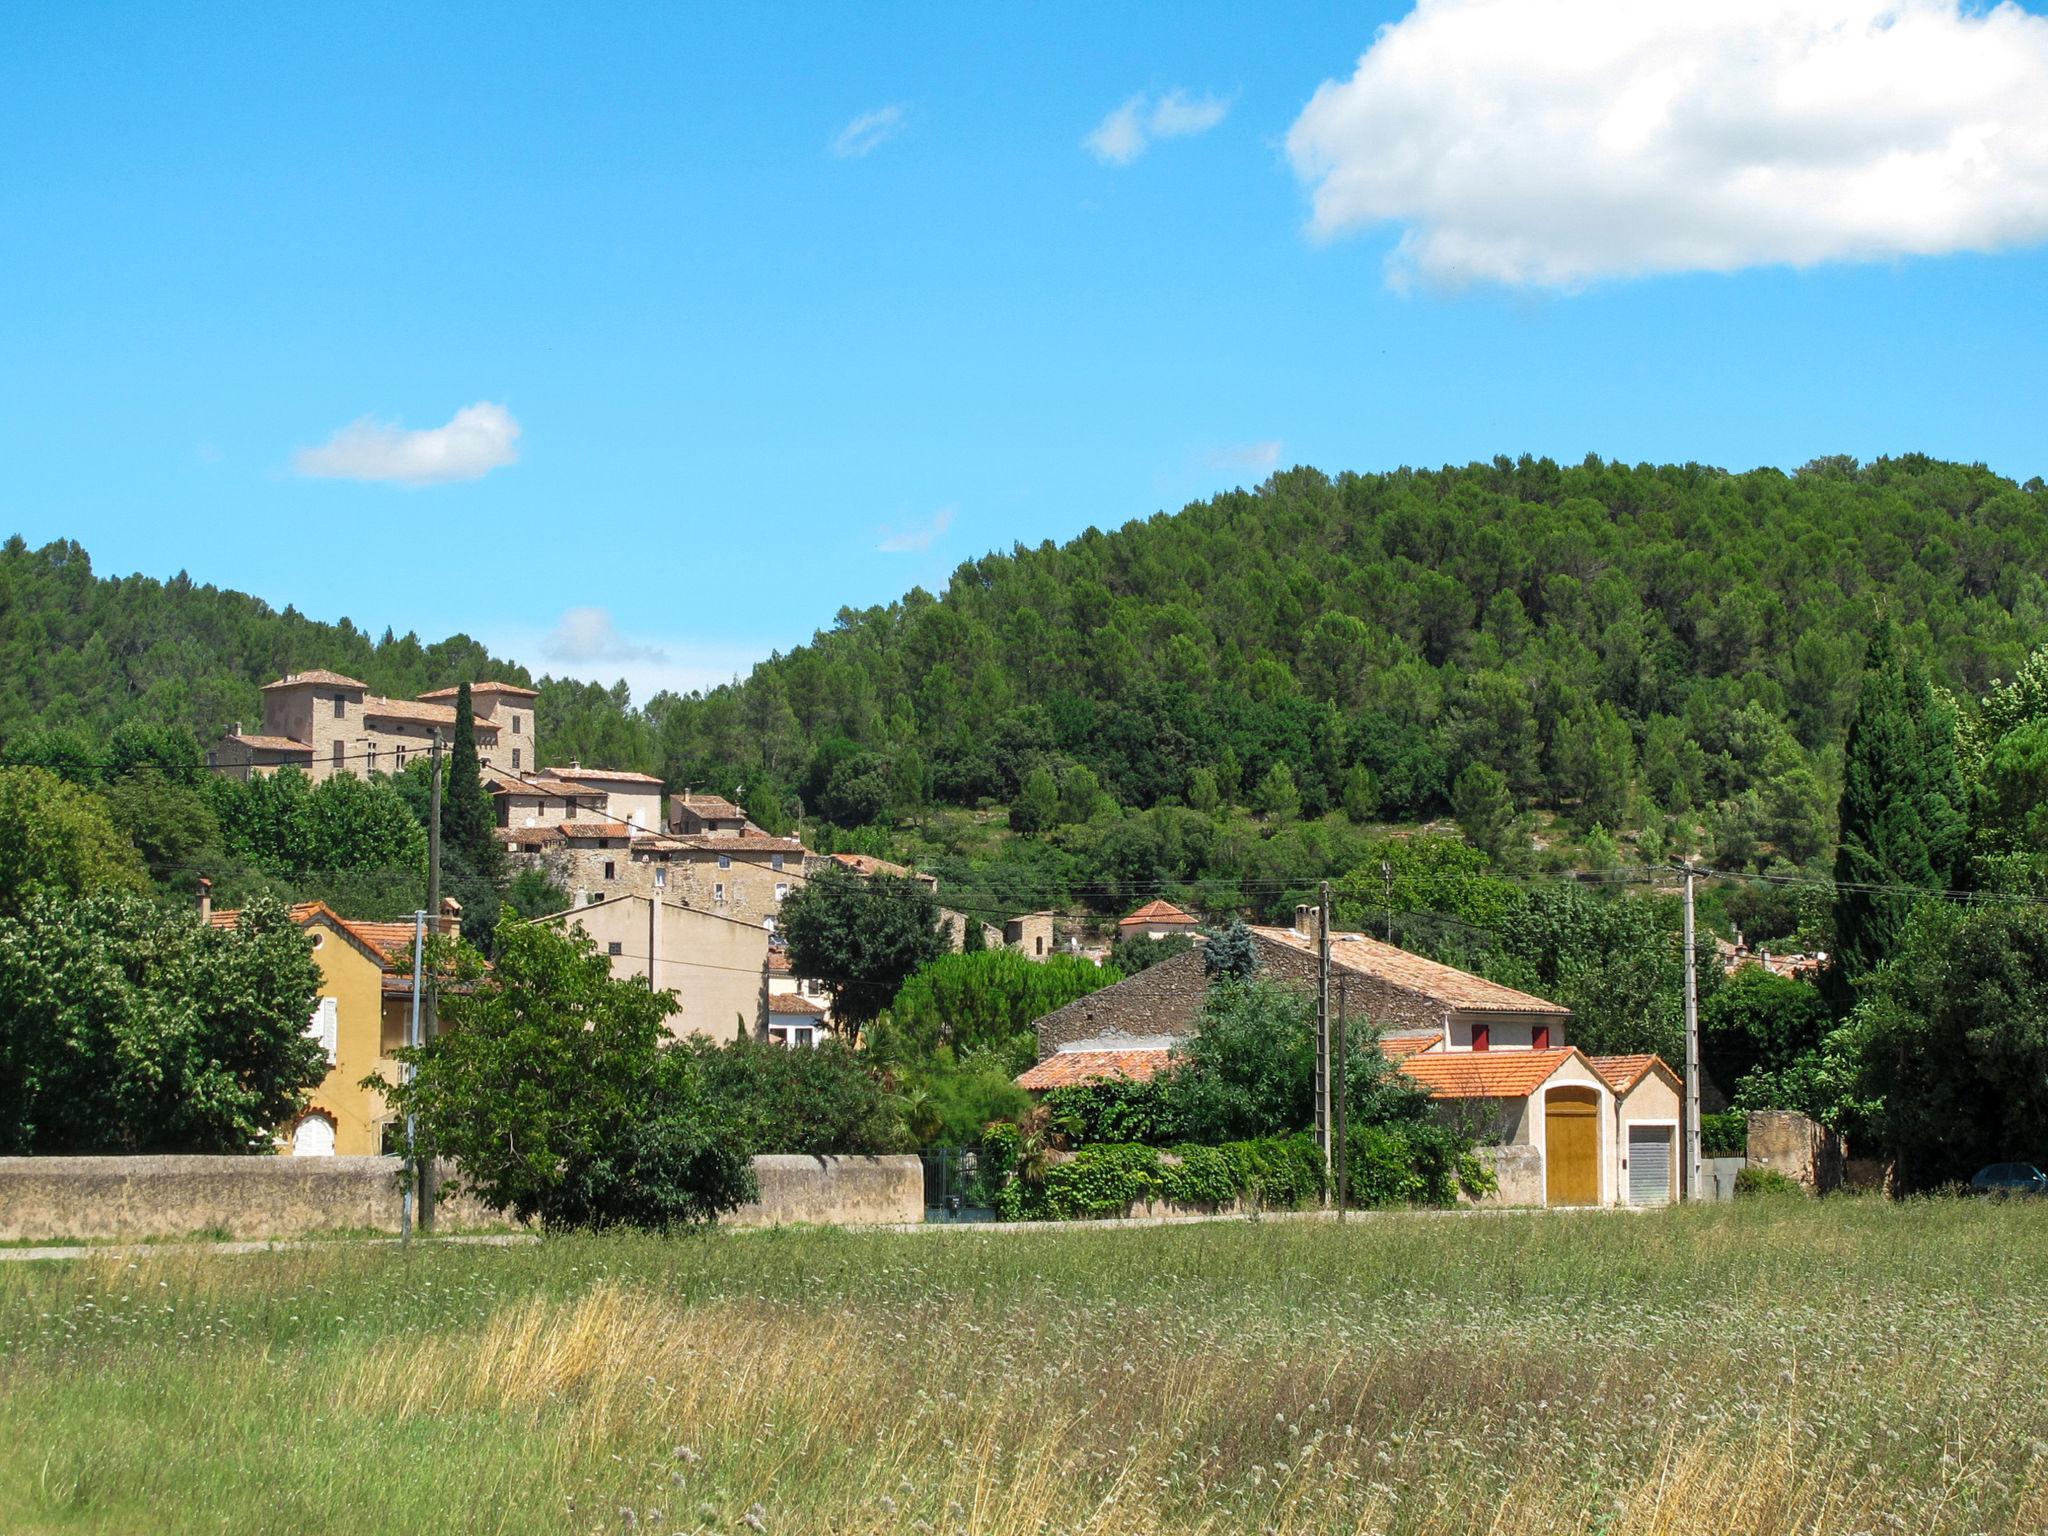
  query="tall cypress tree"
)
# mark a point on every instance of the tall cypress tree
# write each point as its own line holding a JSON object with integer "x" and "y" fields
{"x": 1902, "y": 822}
{"x": 465, "y": 807}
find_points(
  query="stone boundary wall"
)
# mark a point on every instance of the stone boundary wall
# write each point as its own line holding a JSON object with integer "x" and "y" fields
{"x": 1517, "y": 1170}
{"x": 1787, "y": 1142}
{"x": 55, "y": 1199}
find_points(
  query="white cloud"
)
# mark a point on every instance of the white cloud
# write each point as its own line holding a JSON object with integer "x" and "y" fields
{"x": 1132, "y": 128}
{"x": 587, "y": 643}
{"x": 584, "y": 635}
{"x": 868, "y": 132}
{"x": 917, "y": 538}
{"x": 477, "y": 439}
{"x": 1551, "y": 143}
{"x": 1262, "y": 457}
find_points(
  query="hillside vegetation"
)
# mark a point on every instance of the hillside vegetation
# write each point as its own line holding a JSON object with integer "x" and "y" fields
{"x": 1620, "y": 646}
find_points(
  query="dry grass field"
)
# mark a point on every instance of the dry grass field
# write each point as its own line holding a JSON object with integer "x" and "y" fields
{"x": 1844, "y": 1366}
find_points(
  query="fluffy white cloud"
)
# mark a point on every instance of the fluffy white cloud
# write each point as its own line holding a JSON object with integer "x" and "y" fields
{"x": 477, "y": 439}
{"x": 919, "y": 537}
{"x": 1262, "y": 457}
{"x": 869, "y": 131}
{"x": 1556, "y": 142}
{"x": 1133, "y": 127}
{"x": 584, "y": 635}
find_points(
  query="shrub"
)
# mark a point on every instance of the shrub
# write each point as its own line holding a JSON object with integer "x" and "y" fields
{"x": 1765, "y": 1181}
{"x": 1274, "y": 1172}
{"x": 1116, "y": 1109}
{"x": 819, "y": 1101}
{"x": 1725, "y": 1135}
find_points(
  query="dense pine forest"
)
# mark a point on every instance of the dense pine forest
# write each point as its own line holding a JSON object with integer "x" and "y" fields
{"x": 1671, "y": 650}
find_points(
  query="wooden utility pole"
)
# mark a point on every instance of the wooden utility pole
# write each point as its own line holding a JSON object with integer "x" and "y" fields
{"x": 430, "y": 1006}
{"x": 1323, "y": 1031}
{"x": 1693, "y": 1170}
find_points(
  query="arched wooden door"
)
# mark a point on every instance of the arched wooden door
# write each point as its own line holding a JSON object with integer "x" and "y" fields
{"x": 1571, "y": 1146}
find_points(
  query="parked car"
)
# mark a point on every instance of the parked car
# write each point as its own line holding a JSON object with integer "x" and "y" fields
{"x": 2010, "y": 1179}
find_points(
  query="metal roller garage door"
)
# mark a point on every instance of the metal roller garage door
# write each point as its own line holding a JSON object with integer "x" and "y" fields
{"x": 1649, "y": 1164}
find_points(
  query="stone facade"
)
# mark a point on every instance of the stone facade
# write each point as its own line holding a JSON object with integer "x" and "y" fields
{"x": 327, "y": 724}
{"x": 1787, "y": 1142}
{"x": 1165, "y": 999}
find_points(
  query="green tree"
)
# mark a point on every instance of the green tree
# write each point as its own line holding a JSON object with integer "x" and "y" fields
{"x": 858, "y": 791}
{"x": 169, "y": 823}
{"x": 1230, "y": 953}
{"x": 1486, "y": 812}
{"x": 127, "y": 1027}
{"x": 1361, "y": 794}
{"x": 1901, "y": 820}
{"x": 1944, "y": 1062}
{"x": 819, "y": 1102}
{"x": 1276, "y": 797}
{"x": 863, "y": 937}
{"x": 987, "y": 1001}
{"x": 1760, "y": 1036}
{"x": 562, "y": 1098}
{"x": 465, "y": 805}
{"x": 56, "y": 840}
{"x": 1137, "y": 953}
{"x": 1037, "y": 806}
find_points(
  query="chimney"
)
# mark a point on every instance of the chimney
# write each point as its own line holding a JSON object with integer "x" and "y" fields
{"x": 451, "y": 917}
{"x": 205, "y": 900}
{"x": 575, "y": 765}
{"x": 1304, "y": 918}
{"x": 238, "y": 727}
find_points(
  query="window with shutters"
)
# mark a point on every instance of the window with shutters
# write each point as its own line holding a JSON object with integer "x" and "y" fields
{"x": 515, "y": 759}
{"x": 725, "y": 861}
{"x": 775, "y": 862}
{"x": 718, "y": 893}
{"x": 661, "y": 879}
{"x": 1539, "y": 1037}
{"x": 615, "y": 948}
{"x": 337, "y": 754}
{"x": 1482, "y": 1037}
{"x": 325, "y": 1026}
{"x": 340, "y": 707}
{"x": 611, "y": 870}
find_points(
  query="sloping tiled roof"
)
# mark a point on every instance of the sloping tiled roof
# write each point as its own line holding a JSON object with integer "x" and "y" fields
{"x": 867, "y": 864}
{"x": 421, "y": 714}
{"x": 389, "y": 942}
{"x": 709, "y": 807}
{"x": 792, "y": 1003}
{"x": 1624, "y": 1072}
{"x": 552, "y": 789}
{"x": 551, "y": 834}
{"x": 604, "y": 775}
{"x": 1066, "y": 1069}
{"x": 316, "y": 677}
{"x": 1157, "y": 912}
{"x": 595, "y": 829}
{"x": 476, "y": 688}
{"x": 1485, "y": 1074}
{"x": 1440, "y": 983}
{"x": 733, "y": 842}
{"x": 1399, "y": 1047}
{"x": 271, "y": 743}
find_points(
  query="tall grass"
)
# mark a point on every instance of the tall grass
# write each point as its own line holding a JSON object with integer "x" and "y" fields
{"x": 1834, "y": 1367}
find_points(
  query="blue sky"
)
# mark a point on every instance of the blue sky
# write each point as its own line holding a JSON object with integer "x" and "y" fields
{"x": 740, "y": 318}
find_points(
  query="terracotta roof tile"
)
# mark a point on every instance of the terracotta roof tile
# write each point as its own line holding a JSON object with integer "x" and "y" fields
{"x": 550, "y": 834}
{"x": 1067, "y": 1069}
{"x": 1624, "y": 1072}
{"x": 594, "y": 829}
{"x": 271, "y": 743}
{"x": 1441, "y": 983}
{"x": 1485, "y": 1074}
{"x": 420, "y": 714}
{"x": 476, "y": 688}
{"x": 709, "y": 807}
{"x": 792, "y": 1004}
{"x": 389, "y": 941}
{"x": 1399, "y": 1047}
{"x": 604, "y": 775}
{"x": 867, "y": 864}
{"x": 316, "y": 678}
{"x": 1157, "y": 912}
{"x": 731, "y": 842}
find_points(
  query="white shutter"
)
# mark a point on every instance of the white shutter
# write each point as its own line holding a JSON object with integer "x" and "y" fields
{"x": 314, "y": 1137}
{"x": 325, "y": 1026}
{"x": 1649, "y": 1164}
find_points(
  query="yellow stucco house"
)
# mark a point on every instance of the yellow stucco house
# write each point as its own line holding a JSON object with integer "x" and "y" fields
{"x": 360, "y": 1017}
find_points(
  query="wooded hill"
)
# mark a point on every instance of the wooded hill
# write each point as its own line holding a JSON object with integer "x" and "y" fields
{"x": 1614, "y": 641}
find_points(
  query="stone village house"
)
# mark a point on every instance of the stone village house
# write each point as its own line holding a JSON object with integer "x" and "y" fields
{"x": 325, "y": 723}
{"x": 1569, "y": 1129}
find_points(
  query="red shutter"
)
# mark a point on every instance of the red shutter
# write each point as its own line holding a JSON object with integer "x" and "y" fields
{"x": 1539, "y": 1038}
{"x": 1481, "y": 1037}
